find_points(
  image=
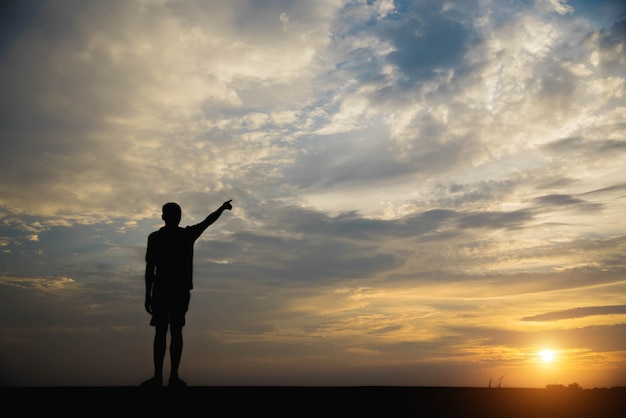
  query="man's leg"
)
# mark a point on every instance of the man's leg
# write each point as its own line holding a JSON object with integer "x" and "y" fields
{"x": 177, "y": 322}
{"x": 158, "y": 353}
{"x": 176, "y": 352}
{"x": 159, "y": 348}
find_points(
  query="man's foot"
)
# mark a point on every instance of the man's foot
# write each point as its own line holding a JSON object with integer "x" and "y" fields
{"x": 154, "y": 382}
{"x": 176, "y": 382}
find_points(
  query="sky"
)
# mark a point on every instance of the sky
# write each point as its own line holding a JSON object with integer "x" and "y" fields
{"x": 425, "y": 193}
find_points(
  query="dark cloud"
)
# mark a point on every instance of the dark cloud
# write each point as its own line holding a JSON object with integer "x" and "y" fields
{"x": 317, "y": 247}
{"x": 428, "y": 41}
{"x": 461, "y": 194}
{"x": 619, "y": 188}
{"x": 565, "y": 200}
{"x": 353, "y": 226}
{"x": 425, "y": 222}
{"x": 388, "y": 329}
{"x": 598, "y": 338}
{"x": 334, "y": 161}
{"x": 615, "y": 35}
{"x": 595, "y": 148}
{"x": 578, "y": 313}
{"x": 557, "y": 200}
{"x": 312, "y": 259}
{"x": 612, "y": 45}
{"x": 556, "y": 183}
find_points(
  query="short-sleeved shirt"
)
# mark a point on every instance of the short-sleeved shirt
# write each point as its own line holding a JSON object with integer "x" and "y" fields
{"x": 170, "y": 249}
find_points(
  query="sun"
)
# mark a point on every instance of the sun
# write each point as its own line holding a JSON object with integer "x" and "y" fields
{"x": 547, "y": 356}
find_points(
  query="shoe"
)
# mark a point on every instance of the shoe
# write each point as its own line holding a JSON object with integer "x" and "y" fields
{"x": 176, "y": 382}
{"x": 152, "y": 383}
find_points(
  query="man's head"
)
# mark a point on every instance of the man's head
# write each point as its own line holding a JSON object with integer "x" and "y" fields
{"x": 171, "y": 213}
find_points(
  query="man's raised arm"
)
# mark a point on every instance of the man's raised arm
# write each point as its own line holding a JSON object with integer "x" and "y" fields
{"x": 215, "y": 215}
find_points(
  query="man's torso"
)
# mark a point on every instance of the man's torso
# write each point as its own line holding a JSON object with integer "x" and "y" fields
{"x": 171, "y": 251}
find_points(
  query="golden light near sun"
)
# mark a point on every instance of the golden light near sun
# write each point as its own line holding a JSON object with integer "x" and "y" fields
{"x": 547, "y": 356}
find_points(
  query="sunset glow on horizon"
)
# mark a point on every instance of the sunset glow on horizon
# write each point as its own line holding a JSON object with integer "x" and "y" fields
{"x": 425, "y": 193}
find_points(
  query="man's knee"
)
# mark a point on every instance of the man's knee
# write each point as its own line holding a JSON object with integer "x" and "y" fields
{"x": 176, "y": 329}
{"x": 161, "y": 328}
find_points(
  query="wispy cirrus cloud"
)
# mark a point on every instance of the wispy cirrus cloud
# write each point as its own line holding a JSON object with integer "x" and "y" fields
{"x": 578, "y": 313}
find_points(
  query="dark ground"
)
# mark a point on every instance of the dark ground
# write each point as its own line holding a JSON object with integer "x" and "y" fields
{"x": 320, "y": 401}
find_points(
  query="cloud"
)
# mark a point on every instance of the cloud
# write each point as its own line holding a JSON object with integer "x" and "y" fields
{"x": 578, "y": 313}
{"x": 556, "y": 200}
{"x": 407, "y": 178}
{"x": 496, "y": 220}
{"x": 592, "y": 148}
{"x": 111, "y": 101}
{"x": 611, "y": 42}
{"x": 431, "y": 24}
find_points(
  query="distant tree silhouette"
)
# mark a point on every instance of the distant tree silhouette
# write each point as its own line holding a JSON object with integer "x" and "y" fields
{"x": 571, "y": 386}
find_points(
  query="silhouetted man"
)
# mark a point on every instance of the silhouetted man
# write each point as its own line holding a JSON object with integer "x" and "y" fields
{"x": 169, "y": 266}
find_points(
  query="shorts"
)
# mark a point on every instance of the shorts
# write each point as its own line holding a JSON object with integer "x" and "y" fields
{"x": 169, "y": 307}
